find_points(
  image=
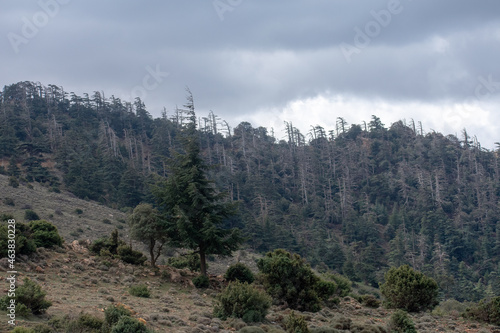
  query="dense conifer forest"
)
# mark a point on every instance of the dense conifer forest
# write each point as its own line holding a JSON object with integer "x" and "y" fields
{"x": 356, "y": 199}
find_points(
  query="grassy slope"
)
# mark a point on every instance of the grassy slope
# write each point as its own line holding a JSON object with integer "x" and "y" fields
{"x": 77, "y": 282}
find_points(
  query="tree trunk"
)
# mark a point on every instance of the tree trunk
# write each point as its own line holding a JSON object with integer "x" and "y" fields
{"x": 203, "y": 263}
{"x": 152, "y": 244}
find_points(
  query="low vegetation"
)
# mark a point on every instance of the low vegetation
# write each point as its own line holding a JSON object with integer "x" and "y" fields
{"x": 487, "y": 310}
{"x": 288, "y": 278}
{"x": 239, "y": 272}
{"x": 29, "y": 299}
{"x": 242, "y": 300}
{"x": 407, "y": 289}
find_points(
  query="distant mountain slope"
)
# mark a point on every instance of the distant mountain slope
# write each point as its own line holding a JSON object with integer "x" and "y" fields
{"x": 357, "y": 199}
{"x": 60, "y": 209}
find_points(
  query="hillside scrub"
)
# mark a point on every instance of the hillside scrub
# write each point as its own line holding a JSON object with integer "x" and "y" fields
{"x": 288, "y": 278}
{"x": 242, "y": 300}
{"x": 407, "y": 289}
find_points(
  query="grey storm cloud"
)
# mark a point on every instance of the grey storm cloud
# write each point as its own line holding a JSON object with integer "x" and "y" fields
{"x": 240, "y": 56}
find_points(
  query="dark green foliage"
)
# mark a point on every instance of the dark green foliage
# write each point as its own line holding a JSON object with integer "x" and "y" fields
{"x": 147, "y": 226}
{"x": 13, "y": 182}
{"x": 30, "y": 298}
{"x": 325, "y": 289}
{"x": 45, "y": 234}
{"x": 194, "y": 210}
{"x": 288, "y": 278}
{"x": 108, "y": 246}
{"x": 24, "y": 241}
{"x": 239, "y": 272}
{"x": 242, "y": 300}
{"x": 190, "y": 261}
{"x": 30, "y": 215}
{"x": 129, "y": 325}
{"x": 140, "y": 291}
{"x": 344, "y": 285}
{"x": 130, "y": 256}
{"x": 78, "y": 211}
{"x": 112, "y": 314}
{"x": 407, "y": 289}
{"x": 487, "y": 310}
{"x": 85, "y": 323}
{"x": 201, "y": 281}
{"x": 370, "y": 301}
{"x": 296, "y": 323}
{"x": 401, "y": 322}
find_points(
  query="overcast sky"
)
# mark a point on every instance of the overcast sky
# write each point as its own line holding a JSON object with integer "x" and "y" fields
{"x": 265, "y": 62}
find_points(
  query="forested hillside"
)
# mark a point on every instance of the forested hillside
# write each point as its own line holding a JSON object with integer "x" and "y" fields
{"x": 357, "y": 199}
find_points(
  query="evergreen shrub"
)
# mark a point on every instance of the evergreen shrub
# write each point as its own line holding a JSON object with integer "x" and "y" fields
{"x": 288, "y": 278}
{"x": 113, "y": 313}
{"x": 407, "y": 289}
{"x": 130, "y": 256}
{"x": 45, "y": 234}
{"x": 30, "y": 298}
{"x": 201, "y": 281}
{"x": 129, "y": 325}
{"x": 242, "y": 300}
{"x": 30, "y": 215}
{"x": 140, "y": 290}
{"x": 296, "y": 324}
{"x": 487, "y": 310}
{"x": 190, "y": 261}
{"x": 401, "y": 322}
{"x": 239, "y": 272}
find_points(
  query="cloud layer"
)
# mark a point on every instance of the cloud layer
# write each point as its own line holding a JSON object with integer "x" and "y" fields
{"x": 306, "y": 62}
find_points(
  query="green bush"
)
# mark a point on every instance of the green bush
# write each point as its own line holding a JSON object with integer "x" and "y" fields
{"x": 409, "y": 290}
{"x": 30, "y": 215}
{"x": 30, "y": 298}
{"x": 241, "y": 300}
{"x": 85, "y": 323}
{"x": 370, "y": 301}
{"x": 130, "y": 256}
{"x": 45, "y": 234}
{"x": 239, "y": 272}
{"x": 140, "y": 290}
{"x": 296, "y": 324}
{"x": 401, "y": 323}
{"x": 78, "y": 211}
{"x": 190, "y": 261}
{"x": 112, "y": 314}
{"x": 288, "y": 278}
{"x": 24, "y": 242}
{"x": 106, "y": 246}
{"x": 201, "y": 281}
{"x": 129, "y": 325}
{"x": 325, "y": 289}
{"x": 486, "y": 310}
